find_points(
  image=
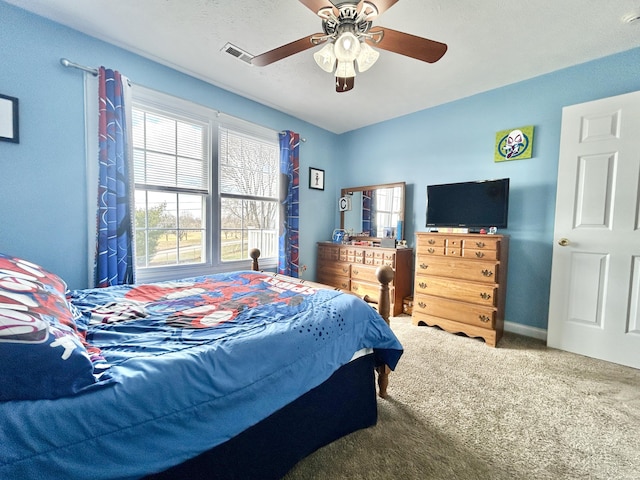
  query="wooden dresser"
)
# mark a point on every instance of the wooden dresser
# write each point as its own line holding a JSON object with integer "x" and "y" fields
{"x": 461, "y": 283}
{"x": 353, "y": 268}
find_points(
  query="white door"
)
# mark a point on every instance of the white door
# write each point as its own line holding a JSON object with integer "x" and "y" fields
{"x": 594, "y": 307}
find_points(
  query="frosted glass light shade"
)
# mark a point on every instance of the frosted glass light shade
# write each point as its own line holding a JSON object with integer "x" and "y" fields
{"x": 347, "y": 47}
{"x": 367, "y": 57}
{"x": 345, "y": 69}
{"x": 325, "y": 58}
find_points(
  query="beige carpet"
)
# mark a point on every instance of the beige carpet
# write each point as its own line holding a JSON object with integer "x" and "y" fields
{"x": 459, "y": 409}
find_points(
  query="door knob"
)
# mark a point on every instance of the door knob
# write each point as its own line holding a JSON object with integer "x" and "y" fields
{"x": 563, "y": 242}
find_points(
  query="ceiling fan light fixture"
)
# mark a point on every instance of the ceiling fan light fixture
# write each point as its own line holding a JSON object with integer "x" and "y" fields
{"x": 325, "y": 58}
{"x": 347, "y": 47}
{"x": 368, "y": 56}
{"x": 345, "y": 69}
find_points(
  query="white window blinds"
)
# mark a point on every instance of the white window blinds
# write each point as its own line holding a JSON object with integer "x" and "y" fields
{"x": 170, "y": 154}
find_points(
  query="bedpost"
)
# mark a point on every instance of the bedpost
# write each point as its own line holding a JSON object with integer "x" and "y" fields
{"x": 255, "y": 254}
{"x": 384, "y": 275}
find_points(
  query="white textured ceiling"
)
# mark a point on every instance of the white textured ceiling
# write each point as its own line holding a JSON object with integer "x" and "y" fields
{"x": 491, "y": 43}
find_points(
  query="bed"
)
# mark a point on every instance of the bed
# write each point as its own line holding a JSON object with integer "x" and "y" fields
{"x": 233, "y": 375}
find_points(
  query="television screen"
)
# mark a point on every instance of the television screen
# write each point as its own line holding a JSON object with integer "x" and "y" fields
{"x": 480, "y": 204}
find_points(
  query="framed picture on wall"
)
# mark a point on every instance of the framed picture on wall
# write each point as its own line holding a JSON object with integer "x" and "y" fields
{"x": 316, "y": 178}
{"x": 9, "y": 119}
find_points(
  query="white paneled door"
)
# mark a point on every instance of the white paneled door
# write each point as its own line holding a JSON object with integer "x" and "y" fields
{"x": 594, "y": 308}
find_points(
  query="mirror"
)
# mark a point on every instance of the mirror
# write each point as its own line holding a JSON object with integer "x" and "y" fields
{"x": 375, "y": 212}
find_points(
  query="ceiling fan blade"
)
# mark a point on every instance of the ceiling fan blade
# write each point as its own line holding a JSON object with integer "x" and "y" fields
{"x": 316, "y": 5}
{"x": 409, "y": 45}
{"x": 383, "y": 5}
{"x": 344, "y": 84}
{"x": 287, "y": 50}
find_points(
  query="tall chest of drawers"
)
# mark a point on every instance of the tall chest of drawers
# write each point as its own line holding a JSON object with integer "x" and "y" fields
{"x": 460, "y": 283}
{"x": 353, "y": 268}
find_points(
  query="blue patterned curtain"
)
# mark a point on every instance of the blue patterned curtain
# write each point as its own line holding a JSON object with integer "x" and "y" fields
{"x": 288, "y": 254}
{"x": 114, "y": 249}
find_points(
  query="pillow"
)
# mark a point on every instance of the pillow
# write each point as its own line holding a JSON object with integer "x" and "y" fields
{"x": 19, "y": 268}
{"x": 42, "y": 354}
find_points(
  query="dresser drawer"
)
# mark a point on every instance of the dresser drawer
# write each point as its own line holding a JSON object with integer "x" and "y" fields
{"x": 453, "y": 243}
{"x": 433, "y": 250}
{"x": 480, "y": 254}
{"x": 335, "y": 268}
{"x": 452, "y": 267}
{"x": 365, "y": 273}
{"x": 342, "y": 283}
{"x": 328, "y": 253}
{"x": 466, "y": 313}
{"x": 432, "y": 245}
{"x": 363, "y": 289}
{"x": 482, "y": 294}
{"x": 485, "y": 243}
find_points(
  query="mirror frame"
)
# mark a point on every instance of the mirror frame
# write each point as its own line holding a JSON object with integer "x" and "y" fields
{"x": 346, "y": 191}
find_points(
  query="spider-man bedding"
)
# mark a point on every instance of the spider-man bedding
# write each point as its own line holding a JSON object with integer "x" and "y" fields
{"x": 178, "y": 368}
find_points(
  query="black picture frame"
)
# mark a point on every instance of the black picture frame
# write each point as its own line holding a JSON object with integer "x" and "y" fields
{"x": 316, "y": 178}
{"x": 9, "y": 125}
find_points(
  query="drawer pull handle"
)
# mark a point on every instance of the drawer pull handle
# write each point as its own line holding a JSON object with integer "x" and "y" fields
{"x": 431, "y": 250}
{"x": 431, "y": 241}
{"x": 487, "y": 273}
{"x": 355, "y": 272}
{"x": 345, "y": 269}
{"x": 422, "y": 304}
{"x": 424, "y": 266}
{"x": 345, "y": 284}
{"x": 354, "y": 288}
{"x": 480, "y": 244}
{"x": 485, "y": 296}
{"x": 479, "y": 254}
{"x": 422, "y": 285}
{"x": 484, "y": 318}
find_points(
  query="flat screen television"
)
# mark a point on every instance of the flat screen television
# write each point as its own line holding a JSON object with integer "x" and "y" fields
{"x": 474, "y": 205}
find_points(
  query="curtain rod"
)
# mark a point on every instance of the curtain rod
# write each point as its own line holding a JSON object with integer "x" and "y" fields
{"x": 94, "y": 71}
{"x": 302, "y": 139}
{"x": 67, "y": 63}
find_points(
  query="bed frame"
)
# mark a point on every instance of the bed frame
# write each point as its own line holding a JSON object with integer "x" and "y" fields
{"x": 344, "y": 403}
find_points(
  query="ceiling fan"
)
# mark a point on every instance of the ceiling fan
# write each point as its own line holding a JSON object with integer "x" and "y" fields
{"x": 348, "y": 33}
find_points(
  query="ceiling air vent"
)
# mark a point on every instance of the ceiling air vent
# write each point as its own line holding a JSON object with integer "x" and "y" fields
{"x": 238, "y": 53}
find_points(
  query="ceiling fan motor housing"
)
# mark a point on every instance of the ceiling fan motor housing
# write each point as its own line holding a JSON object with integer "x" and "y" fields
{"x": 348, "y": 19}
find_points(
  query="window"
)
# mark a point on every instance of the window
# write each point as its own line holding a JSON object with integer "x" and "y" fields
{"x": 248, "y": 172}
{"x": 171, "y": 168}
{"x": 206, "y": 188}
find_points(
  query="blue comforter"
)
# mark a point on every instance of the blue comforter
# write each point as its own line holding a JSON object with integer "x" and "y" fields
{"x": 193, "y": 363}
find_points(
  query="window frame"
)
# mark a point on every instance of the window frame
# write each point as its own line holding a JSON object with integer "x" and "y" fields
{"x": 169, "y": 105}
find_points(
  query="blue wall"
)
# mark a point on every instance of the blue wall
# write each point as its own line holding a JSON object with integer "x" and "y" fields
{"x": 42, "y": 180}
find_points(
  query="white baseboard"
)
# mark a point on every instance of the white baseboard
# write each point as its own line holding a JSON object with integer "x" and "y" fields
{"x": 534, "y": 332}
